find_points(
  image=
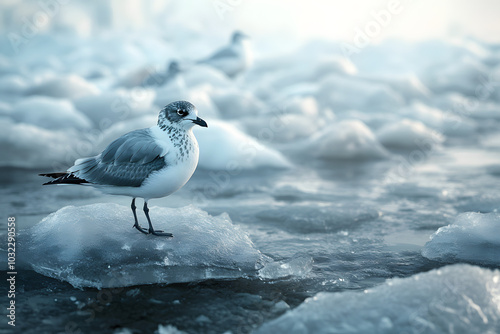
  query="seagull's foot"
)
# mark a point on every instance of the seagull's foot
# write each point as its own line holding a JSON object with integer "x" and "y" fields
{"x": 160, "y": 233}
{"x": 141, "y": 229}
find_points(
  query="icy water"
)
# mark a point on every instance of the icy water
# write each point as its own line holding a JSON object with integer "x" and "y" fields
{"x": 338, "y": 225}
{"x": 321, "y": 180}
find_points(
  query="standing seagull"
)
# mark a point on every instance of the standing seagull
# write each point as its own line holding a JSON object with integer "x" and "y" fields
{"x": 234, "y": 58}
{"x": 147, "y": 163}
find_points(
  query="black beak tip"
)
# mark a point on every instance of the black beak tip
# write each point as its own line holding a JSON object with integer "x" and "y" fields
{"x": 200, "y": 122}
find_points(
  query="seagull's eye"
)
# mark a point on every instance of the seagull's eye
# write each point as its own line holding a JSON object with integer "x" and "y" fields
{"x": 181, "y": 112}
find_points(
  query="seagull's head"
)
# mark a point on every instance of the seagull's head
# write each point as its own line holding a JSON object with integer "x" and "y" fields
{"x": 174, "y": 67}
{"x": 239, "y": 37}
{"x": 180, "y": 114}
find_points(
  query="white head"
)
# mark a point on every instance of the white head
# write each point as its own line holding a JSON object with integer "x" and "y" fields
{"x": 179, "y": 114}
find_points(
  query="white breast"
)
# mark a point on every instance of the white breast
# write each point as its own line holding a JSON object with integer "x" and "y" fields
{"x": 181, "y": 163}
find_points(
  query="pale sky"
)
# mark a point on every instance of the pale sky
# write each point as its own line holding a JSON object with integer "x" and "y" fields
{"x": 293, "y": 19}
{"x": 416, "y": 19}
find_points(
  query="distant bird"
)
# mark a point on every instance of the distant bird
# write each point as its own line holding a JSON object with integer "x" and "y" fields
{"x": 150, "y": 76}
{"x": 234, "y": 58}
{"x": 147, "y": 163}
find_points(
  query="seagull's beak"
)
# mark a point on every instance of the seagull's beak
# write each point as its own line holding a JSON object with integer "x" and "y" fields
{"x": 200, "y": 122}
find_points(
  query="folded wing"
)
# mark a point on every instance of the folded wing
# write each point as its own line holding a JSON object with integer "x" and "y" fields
{"x": 127, "y": 161}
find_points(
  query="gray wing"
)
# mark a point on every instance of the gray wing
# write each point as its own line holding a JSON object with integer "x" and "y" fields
{"x": 224, "y": 53}
{"x": 127, "y": 161}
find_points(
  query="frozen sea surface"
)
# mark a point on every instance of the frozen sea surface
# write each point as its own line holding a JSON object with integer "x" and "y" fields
{"x": 320, "y": 178}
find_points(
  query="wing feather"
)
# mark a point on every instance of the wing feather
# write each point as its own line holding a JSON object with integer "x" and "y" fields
{"x": 127, "y": 161}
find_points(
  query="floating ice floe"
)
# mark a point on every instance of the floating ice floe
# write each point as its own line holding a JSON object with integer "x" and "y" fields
{"x": 459, "y": 298}
{"x": 224, "y": 147}
{"x": 96, "y": 246}
{"x": 345, "y": 140}
{"x": 473, "y": 237}
{"x": 408, "y": 134}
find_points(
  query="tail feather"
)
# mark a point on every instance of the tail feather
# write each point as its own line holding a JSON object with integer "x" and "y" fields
{"x": 63, "y": 178}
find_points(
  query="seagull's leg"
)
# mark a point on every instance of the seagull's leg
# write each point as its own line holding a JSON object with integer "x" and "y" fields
{"x": 151, "y": 229}
{"x": 136, "y": 225}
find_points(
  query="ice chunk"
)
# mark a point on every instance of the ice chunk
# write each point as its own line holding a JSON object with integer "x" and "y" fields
{"x": 50, "y": 113}
{"x": 459, "y": 298}
{"x": 473, "y": 237}
{"x": 346, "y": 140}
{"x": 71, "y": 86}
{"x": 408, "y": 134}
{"x": 224, "y": 147}
{"x": 96, "y": 246}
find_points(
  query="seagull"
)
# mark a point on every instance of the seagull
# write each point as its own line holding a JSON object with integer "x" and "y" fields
{"x": 150, "y": 76}
{"x": 234, "y": 58}
{"x": 146, "y": 163}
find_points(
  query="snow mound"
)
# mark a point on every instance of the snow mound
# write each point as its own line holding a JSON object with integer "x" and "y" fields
{"x": 118, "y": 105}
{"x": 28, "y": 146}
{"x": 408, "y": 134}
{"x": 345, "y": 140}
{"x": 224, "y": 147}
{"x": 458, "y": 299}
{"x": 71, "y": 86}
{"x": 449, "y": 123}
{"x": 13, "y": 85}
{"x": 50, "y": 113}
{"x": 341, "y": 93}
{"x": 96, "y": 246}
{"x": 473, "y": 237}
{"x": 234, "y": 103}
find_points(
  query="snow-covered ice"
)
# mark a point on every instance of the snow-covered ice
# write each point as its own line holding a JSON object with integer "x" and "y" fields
{"x": 456, "y": 299}
{"x": 473, "y": 237}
